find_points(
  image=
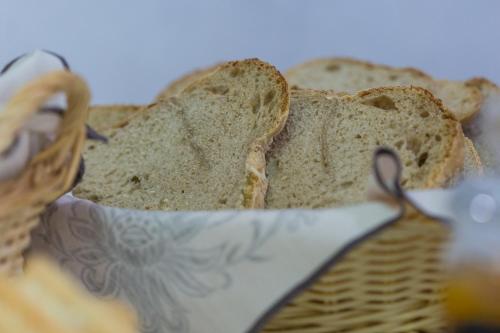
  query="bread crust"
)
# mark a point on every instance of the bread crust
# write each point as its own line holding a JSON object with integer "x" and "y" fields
{"x": 476, "y": 95}
{"x": 366, "y": 64}
{"x": 482, "y": 83}
{"x": 175, "y": 86}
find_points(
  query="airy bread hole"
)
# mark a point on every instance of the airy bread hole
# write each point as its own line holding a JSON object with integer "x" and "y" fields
{"x": 122, "y": 125}
{"x": 332, "y": 67}
{"x": 393, "y": 77}
{"x": 413, "y": 144}
{"x": 223, "y": 201}
{"x": 438, "y": 137}
{"x": 235, "y": 72}
{"x": 269, "y": 97}
{"x": 255, "y": 103}
{"x": 382, "y": 102}
{"x": 218, "y": 90}
{"x": 422, "y": 158}
{"x": 135, "y": 180}
{"x": 424, "y": 114}
{"x": 91, "y": 147}
{"x": 346, "y": 184}
{"x": 399, "y": 144}
{"x": 94, "y": 197}
{"x": 369, "y": 79}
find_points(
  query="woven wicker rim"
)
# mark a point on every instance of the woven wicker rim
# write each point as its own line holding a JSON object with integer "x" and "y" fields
{"x": 40, "y": 182}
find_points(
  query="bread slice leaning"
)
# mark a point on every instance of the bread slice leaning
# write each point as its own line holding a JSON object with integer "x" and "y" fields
{"x": 202, "y": 150}
{"x": 473, "y": 166}
{"x": 181, "y": 83}
{"x": 104, "y": 117}
{"x": 476, "y": 129}
{"x": 323, "y": 156}
{"x": 348, "y": 75}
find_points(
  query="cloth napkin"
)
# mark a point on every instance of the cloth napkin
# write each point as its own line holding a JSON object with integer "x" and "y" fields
{"x": 40, "y": 130}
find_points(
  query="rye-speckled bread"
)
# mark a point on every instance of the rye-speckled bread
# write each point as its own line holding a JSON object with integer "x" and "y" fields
{"x": 490, "y": 108}
{"x": 202, "y": 150}
{"x": 181, "y": 83}
{"x": 323, "y": 156}
{"x": 348, "y": 75}
{"x": 103, "y": 117}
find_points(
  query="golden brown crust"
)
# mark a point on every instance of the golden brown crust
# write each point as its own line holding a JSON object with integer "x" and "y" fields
{"x": 452, "y": 164}
{"x": 481, "y": 83}
{"x": 464, "y": 117}
{"x": 179, "y": 84}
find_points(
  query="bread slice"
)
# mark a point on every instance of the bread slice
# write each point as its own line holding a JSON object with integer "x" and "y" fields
{"x": 103, "y": 117}
{"x": 490, "y": 108}
{"x": 323, "y": 156}
{"x": 202, "y": 150}
{"x": 473, "y": 167}
{"x": 175, "y": 87}
{"x": 348, "y": 75}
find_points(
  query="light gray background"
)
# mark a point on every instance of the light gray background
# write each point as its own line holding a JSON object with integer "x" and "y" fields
{"x": 128, "y": 50}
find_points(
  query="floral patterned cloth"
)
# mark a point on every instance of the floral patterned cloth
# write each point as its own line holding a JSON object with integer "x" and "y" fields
{"x": 191, "y": 272}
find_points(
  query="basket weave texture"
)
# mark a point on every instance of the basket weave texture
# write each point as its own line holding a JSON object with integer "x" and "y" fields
{"x": 392, "y": 282}
{"x": 50, "y": 173}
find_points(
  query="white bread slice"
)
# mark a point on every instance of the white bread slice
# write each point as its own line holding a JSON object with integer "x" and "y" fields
{"x": 202, "y": 150}
{"x": 175, "y": 87}
{"x": 490, "y": 108}
{"x": 104, "y": 117}
{"x": 348, "y": 75}
{"x": 323, "y": 156}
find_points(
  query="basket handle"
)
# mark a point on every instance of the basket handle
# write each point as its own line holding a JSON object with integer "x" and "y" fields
{"x": 31, "y": 97}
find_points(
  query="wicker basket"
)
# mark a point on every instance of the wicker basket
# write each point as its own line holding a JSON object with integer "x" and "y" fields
{"x": 390, "y": 283}
{"x": 50, "y": 173}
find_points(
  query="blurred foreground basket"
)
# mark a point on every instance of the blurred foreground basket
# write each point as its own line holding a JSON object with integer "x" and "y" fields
{"x": 50, "y": 173}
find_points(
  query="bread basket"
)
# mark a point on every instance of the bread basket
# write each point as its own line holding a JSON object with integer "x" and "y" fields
{"x": 392, "y": 282}
{"x": 50, "y": 173}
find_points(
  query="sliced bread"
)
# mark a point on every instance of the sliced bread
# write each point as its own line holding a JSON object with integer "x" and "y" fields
{"x": 103, "y": 117}
{"x": 323, "y": 156}
{"x": 473, "y": 167}
{"x": 484, "y": 140}
{"x": 181, "y": 83}
{"x": 348, "y": 75}
{"x": 202, "y": 150}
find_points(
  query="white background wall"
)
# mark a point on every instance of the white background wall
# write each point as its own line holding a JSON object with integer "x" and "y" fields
{"x": 128, "y": 49}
